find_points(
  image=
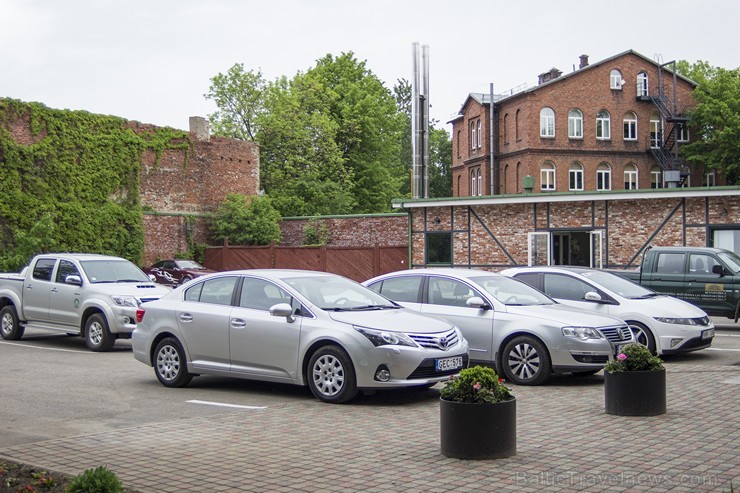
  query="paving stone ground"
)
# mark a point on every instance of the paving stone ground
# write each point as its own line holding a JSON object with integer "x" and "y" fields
{"x": 565, "y": 443}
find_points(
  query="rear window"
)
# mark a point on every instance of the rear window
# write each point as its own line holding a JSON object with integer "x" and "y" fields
{"x": 43, "y": 268}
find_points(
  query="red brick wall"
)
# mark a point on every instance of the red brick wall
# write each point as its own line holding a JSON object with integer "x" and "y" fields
{"x": 360, "y": 231}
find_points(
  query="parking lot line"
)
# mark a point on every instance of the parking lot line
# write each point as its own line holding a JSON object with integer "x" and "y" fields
{"x": 47, "y": 348}
{"x": 223, "y": 404}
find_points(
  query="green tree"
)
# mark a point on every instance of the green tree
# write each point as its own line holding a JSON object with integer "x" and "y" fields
{"x": 39, "y": 239}
{"x": 716, "y": 118}
{"x": 246, "y": 221}
{"x": 239, "y": 96}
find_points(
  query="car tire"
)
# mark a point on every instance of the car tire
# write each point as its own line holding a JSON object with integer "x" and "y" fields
{"x": 331, "y": 375}
{"x": 525, "y": 361}
{"x": 185, "y": 279}
{"x": 170, "y": 363}
{"x": 98, "y": 336}
{"x": 10, "y": 327}
{"x": 642, "y": 335}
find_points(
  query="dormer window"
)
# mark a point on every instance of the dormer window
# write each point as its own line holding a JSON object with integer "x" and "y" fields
{"x": 615, "y": 80}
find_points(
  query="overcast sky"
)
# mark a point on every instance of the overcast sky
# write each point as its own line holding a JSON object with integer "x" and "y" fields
{"x": 152, "y": 60}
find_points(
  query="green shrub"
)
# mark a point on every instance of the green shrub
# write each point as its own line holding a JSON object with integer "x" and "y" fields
{"x": 316, "y": 232}
{"x": 98, "y": 480}
{"x": 246, "y": 221}
{"x": 477, "y": 384}
{"x": 634, "y": 357}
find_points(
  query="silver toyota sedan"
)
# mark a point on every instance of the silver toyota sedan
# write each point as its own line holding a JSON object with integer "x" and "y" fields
{"x": 298, "y": 327}
{"x": 509, "y": 324}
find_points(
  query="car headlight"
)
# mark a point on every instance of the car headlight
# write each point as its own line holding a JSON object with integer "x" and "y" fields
{"x": 582, "y": 333}
{"x": 124, "y": 300}
{"x": 678, "y": 321}
{"x": 386, "y": 338}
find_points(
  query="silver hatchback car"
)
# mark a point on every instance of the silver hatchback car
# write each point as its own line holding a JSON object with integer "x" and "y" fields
{"x": 509, "y": 324}
{"x": 297, "y": 327}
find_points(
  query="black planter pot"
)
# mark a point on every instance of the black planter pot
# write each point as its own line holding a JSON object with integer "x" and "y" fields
{"x": 478, "y": 431}
{"x": 635, "y": 393}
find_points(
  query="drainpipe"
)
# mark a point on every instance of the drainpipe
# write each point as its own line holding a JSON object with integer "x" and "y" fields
{"x": 491, "y": 143}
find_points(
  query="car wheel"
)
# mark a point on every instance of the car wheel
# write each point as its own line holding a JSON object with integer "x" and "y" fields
{"x": 98, "y": 336}
{"x": 642, "y": 335}
{"x": 525, "y": 361}
{"x": 10, "y": 328}
{"x": 185, "y": 279}
{"x": 170, "y": 363}
{"x": 331, "y": 375}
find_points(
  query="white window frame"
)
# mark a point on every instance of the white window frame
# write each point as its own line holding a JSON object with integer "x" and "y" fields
{"x": 643, "y": 84}
{"x": 630, "y": 126}
{"x": 682, "y": 133}
{"x": 480, "y": 182}
{"x": 575, "y": 124}
{"x": 596, "y": 257}
{"x": 547, "y": 122}
{"x": 711, "y": 179}
{"x": 473, "y": 183}
{"x": 534, "y": 243}
{"x": 603, "y": 177}
{"x": 656, "y": 178}
{"x": 603, "y": 125}
{"x": 630, "y": 176}
{"x": 575, "y": 177}
{"x": 656, "y": 133}
{"x": 615, "y": 80}
{"x": 480, "y": 135}
{"x": 547, "y": 177}
{"x": 473, "y": 142}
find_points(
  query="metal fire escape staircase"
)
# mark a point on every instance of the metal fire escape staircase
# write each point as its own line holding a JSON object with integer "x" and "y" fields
{"x": 675, "y": 169}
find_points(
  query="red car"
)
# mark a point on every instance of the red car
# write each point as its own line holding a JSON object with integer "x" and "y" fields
{"x": 176, "y": 271}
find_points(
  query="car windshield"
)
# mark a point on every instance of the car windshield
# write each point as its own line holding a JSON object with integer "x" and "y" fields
{"x": 512, "y": 292}
{"x": 336, "y": 293}
{"x": 618, "y": 284}
{"x": 99, "y": 271}
{"x": 731, "y": 259}
{"x": 189, "y": 264}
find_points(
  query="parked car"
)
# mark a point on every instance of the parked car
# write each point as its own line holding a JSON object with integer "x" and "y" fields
{"x": 173, "y": 272}
{"x": 298, "y": 327}
{"x": 664, "y": 324}
{"x": 94, "y": 296}
{"x": 524, "y": 333}
{"x": 706, "y": 277}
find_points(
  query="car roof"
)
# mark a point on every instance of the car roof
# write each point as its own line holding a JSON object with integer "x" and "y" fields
{"x": 462, "y": 272}
{"x": 80, "y": 256}
{"x": 276, "y": 273}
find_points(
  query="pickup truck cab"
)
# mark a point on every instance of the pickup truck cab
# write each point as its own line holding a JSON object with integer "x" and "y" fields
{"x": 707, "y": 277}
{"x": 93, "y": 296}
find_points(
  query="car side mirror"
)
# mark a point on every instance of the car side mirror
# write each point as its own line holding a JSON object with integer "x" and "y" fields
{"x": 72, "y": 279}
{"x": 283, "y": 310}
{"x": 592, "y": 296}
{"x": 153, "y": 277}
{"x": 718, "y": 269}
{"x": 477, "y": 302}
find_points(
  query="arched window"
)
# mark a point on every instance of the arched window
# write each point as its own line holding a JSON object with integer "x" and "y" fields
{"x": 615, "y": 80}
{"x": 656, "y": 177}
{"x": 480, "y": 182}
{"x": 458, "y": 143}
{"x": 505, "y": 180}
{"x": 480, "y": 135}
{"x": 547, "y": 122}
{"x": 547, "y": 176}
{"x": 473, "y": 140}
{"x": 575, "y": 124}
{"x": 656, "y": 131}
{"x": 630, "y": 177}
{"x": 518, "y": 178}
{"x": 630, "y": 126}
{"x": 603, "y": 125}
{"x": 604, "y": 177}
{"x": 459, "y": 185}
{"x": 642, "y": 84}
{"x": 575, "y": 177}
{"x": 506, "y": 128}
{"x": 516, "y": 125}
{"x": 473, "y": 183}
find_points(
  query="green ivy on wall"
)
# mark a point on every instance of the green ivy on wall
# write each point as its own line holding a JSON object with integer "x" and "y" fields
{"x": 83, "y": 172}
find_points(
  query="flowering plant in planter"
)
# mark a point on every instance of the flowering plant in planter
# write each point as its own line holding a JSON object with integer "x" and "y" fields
{"x": 478, "y": 384}
{"x": 634, "y": 357}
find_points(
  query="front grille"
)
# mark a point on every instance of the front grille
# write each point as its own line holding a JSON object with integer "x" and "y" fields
{"x": 440, "y": 340}
{"x": 591, "y": 358}
{"x": 426, "y": 369}
{"x": 617, "y": 333}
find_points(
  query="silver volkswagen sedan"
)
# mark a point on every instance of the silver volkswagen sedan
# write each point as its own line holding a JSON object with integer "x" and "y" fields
{"x": 297, "y": 327}
{"x": 524, "y": 333}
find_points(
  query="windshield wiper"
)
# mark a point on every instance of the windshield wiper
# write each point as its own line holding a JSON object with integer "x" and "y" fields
{"x": 132, "y": 280}
{"x": 646, "y": 296}
{"x": 373, "y": 307}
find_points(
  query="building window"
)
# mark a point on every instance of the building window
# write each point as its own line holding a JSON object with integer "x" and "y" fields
{"x": 575, "y": 124}
{"x": 603, "y": 125}
{"x": 686, "y": 175}
{"x": 439, "y": 248}
{"x": 480, "y": 182}
{"x": 642, "y": 84}
{"x": 604, "y": 177}
{"x": 480, "y": 135}
{"x": 506, "y": 128}
{"x": 458, "y": 143}
{"x": 473, "y": 183}
{"x": 517, "y": 177}
{"x": 547, "y": 176}
{"x": 575, "y": 177}
{"x": 615, "y": 80}
{"x": 710, "y": 179}
{"x": 473, "y": 140}
{"x": 630, "y": 126}
{"x": 630, "y": 177}
{"x": 505, "y": 180}
{"x": 656, "y": 177}
{"x": 682, "y": 131}
{"x": 516, "y": 125}
{"x": 547, "y": 122}
{"x": 656, "y": 131}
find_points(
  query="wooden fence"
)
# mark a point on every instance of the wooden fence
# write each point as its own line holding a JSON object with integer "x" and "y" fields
{"x": 357, "y": 263}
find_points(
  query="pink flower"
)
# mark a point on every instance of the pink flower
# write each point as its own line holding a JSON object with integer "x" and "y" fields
{"x": 621, "y": 356}
{"x": 476, "y": 386}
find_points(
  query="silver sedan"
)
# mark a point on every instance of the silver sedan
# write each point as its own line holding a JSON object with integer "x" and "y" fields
{"x": 509, "y": 324}
{"x": 297, "y": 327}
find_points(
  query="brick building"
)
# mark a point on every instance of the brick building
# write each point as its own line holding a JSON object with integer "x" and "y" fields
{"x": 613, "y": 125}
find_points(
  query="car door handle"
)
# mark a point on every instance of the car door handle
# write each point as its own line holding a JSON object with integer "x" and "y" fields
{"x": 54, "y": 290}
{"x": 186, "y": 317}
{"x": 238, "y": 323}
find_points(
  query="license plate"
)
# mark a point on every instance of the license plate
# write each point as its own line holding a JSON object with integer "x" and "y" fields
{"x": 706, "y": 334}
{"x": 448, "y": 363}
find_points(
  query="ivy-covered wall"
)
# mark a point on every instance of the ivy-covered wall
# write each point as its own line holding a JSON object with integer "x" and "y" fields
{"x": 81, "y": 171}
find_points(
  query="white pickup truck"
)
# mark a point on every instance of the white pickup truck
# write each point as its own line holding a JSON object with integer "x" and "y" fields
{"x": 93, "y": 296}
